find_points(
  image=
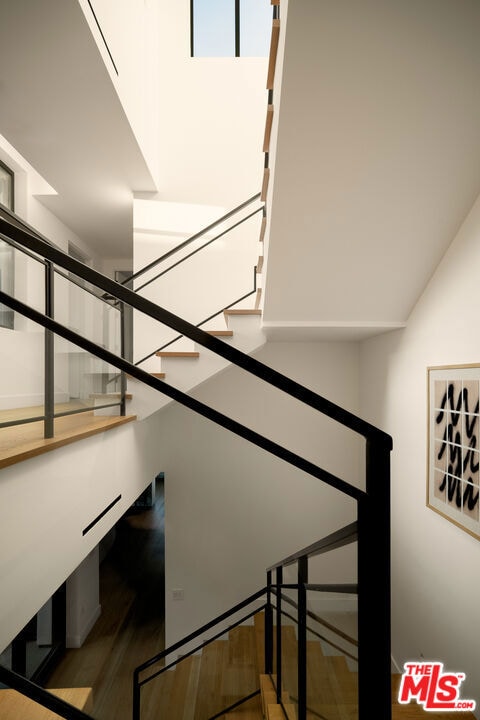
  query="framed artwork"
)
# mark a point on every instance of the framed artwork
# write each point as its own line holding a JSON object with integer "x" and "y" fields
{"x": 453, "y": 469}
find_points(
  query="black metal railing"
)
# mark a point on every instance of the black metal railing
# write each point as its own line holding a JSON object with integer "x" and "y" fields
{"x": 276, "y": 619}
{"x": 157, "y": 666}
{"x": 52, "y": 275}
{"x": 373, "y": 503}
{"x": 240, "y": 218}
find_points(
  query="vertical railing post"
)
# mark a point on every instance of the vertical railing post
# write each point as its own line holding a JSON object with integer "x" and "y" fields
{"x": 49, "y": 379}
{"x": 123, "y": 377}
{"x": 269, "y": 627}
{"x": 374, "y": 630}
{"x": 302, "y": 637}
{"x": 136, "y": 696}
{"x": 279, "y": 581}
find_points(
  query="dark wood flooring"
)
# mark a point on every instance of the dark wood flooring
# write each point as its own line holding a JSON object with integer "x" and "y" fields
{"x": 131, "y": 627}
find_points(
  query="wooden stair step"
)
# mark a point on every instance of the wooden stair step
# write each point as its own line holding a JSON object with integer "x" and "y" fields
{"x": 220, "y": 333}
{"x": 266, "y": 180}
{"x": 268, "y": 129}
{"x": 260, "y": 264}
{"x": 14, "y": 705}
{"x": 159, "y": 375}
{"x": 263, "y": 227}
{"x": 177, "y": 354}
{"x": 272, "y": 60}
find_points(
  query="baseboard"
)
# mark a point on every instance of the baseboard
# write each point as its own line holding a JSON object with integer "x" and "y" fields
{"x": 77, "y": 640}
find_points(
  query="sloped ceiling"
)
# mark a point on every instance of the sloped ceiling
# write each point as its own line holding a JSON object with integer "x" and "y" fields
{"x": 377, "y": 158}
{"x": 60, "y": 110}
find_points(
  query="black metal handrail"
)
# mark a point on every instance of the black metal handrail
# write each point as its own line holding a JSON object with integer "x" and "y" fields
{"x": 192, "y": 239}
{"x": 204, "y": 322}
{"x": 17, "y": 682}
{"x": 138, "y": 683}
{"x": 373, "y": 502}
{"x": 49, "y": 414}
{"x": 255, "y": 367}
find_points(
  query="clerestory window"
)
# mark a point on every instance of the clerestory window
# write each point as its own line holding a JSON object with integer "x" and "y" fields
{"x": 230, "y": 28}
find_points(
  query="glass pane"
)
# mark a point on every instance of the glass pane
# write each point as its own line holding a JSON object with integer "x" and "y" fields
{"x": 255, "y": 28}
{"x": 79, "y": 307}
{"x": 214, "y": 28}
{"x": 221, "y": 674}
{"x": 83, "y": 381}
{"x": 6, "y": 187}
{"x": 332, "y": 668}
{"x": 6, "y": 282}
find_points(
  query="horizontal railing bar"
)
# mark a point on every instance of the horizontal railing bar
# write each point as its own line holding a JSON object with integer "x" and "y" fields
{"x": 219, "y": 634}
{"x": 339, "y": 538}
{"x": 14, "y": 681}
{"x": 39, "y": 418}
{"x": 179, "y": 337}
{"x": 194, "y": 252}
{"x": 19, "y": 247}
{"x": 321, "y": 637}
{"x": 235, "y": 705}
{"x": 347, "y": 588}
{"x": 205, "y": 628}
{"x": 22, "y": 421}
{"x": 66, "y": 413}
{"x": 332, "y": 628}
{"x": 82, "y": 287}
{"x": 268, "y": 374}
{"x": 191, "y": 239}
{"x": 184, "y": 399}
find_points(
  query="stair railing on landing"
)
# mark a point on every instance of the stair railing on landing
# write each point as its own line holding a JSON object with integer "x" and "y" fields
{"x": 112, "y": 321}
{"x": 373, "y": 503}
{"x": 132, "y": 280}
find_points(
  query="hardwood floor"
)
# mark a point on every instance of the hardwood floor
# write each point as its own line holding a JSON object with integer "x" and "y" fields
{"x": 21, "y": 442}
{"x": 131, "y": 626}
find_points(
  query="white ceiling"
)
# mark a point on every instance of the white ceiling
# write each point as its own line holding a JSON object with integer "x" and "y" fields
{"x": 59, "y": 109}
{"x": 378, "y": 156}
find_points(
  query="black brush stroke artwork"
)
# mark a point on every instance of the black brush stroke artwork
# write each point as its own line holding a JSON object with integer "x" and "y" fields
{"x": 456, "y": 467}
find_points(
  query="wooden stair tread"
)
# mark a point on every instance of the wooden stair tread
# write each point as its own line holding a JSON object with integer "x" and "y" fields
{"x": 266, "y": 180}
{"x": 177, "y": 354}
{"x": 272, "y": 60}
{"x": 220, "y": 333}
{"x": 14, "y": 706}
{"x": 260, "y": 264}
{"x": 23, "y": 442}
{"x": 249, "y": 311}
{"x": 159, "y": 375}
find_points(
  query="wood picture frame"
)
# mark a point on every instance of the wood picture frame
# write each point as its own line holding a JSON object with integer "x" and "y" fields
{"x": 453, "y": 464}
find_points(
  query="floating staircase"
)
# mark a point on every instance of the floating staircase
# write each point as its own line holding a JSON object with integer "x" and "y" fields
{"x": 191, "y": 364}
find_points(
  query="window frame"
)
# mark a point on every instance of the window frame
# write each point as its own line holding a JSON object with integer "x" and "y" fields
{"x": 11, "y": 173}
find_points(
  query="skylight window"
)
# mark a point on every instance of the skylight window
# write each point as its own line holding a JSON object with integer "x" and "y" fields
{"x": 230, "y": 28}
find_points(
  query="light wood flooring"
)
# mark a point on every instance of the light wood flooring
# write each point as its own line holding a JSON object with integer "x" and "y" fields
{"x": 21, "y": 442}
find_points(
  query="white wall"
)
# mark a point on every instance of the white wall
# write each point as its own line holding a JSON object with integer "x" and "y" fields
{"x": 46, "y": 503}
{"x": 231, "y": 510}
{"x": 435, "y": 583}
{"x": 211, "y": 118}
{"x": 130, "y": 29}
